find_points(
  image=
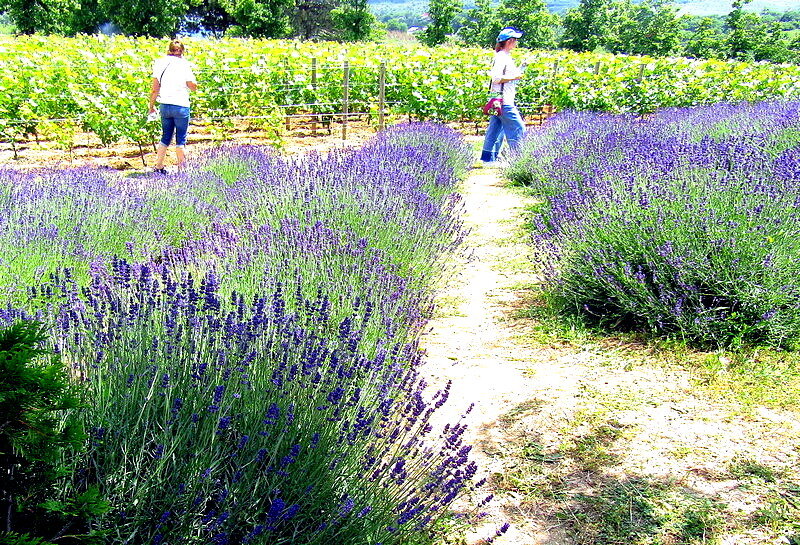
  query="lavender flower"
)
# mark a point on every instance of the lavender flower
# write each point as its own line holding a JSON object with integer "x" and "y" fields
{"x": 682, "y": 225}
{"x": 294, "y": 284}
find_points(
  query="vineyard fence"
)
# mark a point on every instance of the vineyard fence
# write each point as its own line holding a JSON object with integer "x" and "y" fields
{"x": 357, "y": 100}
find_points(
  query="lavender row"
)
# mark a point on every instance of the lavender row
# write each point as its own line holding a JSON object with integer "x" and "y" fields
{"x": 370, "y": 223}
{"x": 683, "y": 224}
{"x": 226, "y": 421}
{"x": 246, "y": 335}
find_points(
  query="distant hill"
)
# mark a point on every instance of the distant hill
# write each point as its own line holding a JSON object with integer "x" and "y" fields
{"x": 700, "y": 7}
{"x": 721, "y": 7}
{"x": 690, "y": 7}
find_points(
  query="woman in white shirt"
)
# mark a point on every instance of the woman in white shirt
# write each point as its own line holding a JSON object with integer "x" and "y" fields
{"x": 173, "y": 79}
{"x": 505, "y": 75}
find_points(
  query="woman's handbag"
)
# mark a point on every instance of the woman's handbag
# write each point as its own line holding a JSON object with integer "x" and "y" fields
{"x": 493, "y": 106}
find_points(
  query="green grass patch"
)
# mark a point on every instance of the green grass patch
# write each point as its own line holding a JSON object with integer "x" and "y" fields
{"x": 641, "y": 511}
{"x": 742, "y": 468}
{"x": 753, "y": 378}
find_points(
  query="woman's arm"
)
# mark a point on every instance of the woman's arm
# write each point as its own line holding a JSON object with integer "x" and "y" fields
{"x": 154, "y": 88}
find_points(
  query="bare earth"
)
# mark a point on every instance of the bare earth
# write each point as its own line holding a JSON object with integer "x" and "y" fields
{"x": 553, "y": 419}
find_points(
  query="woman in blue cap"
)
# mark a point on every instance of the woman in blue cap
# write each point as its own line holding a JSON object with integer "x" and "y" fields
{"x": 505, "y": 75}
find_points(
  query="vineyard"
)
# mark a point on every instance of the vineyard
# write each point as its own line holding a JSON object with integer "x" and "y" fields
{"x": 55, "y": 88}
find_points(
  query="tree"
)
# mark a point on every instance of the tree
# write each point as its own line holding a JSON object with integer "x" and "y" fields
{"x": 208, "y": 16}
{"x": 43, "y": 16}
{"x": 86, "y": 19}
{"x": 312, "y": 19}
{"x": 441, "y": 13}
{"x": 589, "y": 26}
{"x": 707, "y": 42}
{"x": 752, "y": 37}
{"x": 481, "y": 26}
{"x": 156, "y": 18}
{"x": 649, "y": 28}
{"x": 396, "y": 24}
{"x": 773, "y": 47}
{"x": 533, "y": 18}
{"x": 353, "y": 21}
{"x": 261, "y": 18}
{"x": 745, "y": 31}
{"x": 483, "y": 23}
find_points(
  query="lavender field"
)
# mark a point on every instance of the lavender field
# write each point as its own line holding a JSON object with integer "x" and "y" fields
{"x": 684, "y": 224}
{"x": 245, "y": 338}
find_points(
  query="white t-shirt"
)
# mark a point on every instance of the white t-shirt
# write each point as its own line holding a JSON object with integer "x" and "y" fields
{"x": 504, "y": 68}
{"x": 173, "y": 73}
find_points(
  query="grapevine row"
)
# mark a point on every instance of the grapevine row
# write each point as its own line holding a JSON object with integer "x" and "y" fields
{"x": 56, "y": 87}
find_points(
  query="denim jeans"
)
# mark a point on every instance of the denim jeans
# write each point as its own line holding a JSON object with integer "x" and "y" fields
{"x": 508, "y": 125}
{"x": 174, "y": 120}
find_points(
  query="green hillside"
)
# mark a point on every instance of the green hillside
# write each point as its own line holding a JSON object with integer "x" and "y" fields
{"x": 721, "y": 7}
{"x": 691, "y": 7}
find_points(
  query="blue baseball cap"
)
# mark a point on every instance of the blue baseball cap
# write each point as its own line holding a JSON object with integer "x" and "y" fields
{"x": 509, "y": 32}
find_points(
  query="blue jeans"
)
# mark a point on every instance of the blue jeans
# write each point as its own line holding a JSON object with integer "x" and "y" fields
{"x": 174, "y": 120}
{"x": 508, "y": 124}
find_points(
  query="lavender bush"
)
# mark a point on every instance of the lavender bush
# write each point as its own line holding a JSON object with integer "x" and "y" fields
{"x": 220, "y": 421}
{"x": 683, "y": 224}
{"x": 56, "y": 218}
{"x": 365, "y": 226}
{"x": 253, "y": 373}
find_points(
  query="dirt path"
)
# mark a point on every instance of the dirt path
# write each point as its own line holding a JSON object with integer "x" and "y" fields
{"x": 557, "y": 421}
{"x": 474, "y": 339}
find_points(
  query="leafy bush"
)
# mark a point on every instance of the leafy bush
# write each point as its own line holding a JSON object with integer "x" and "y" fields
{"x": 40, "y": 435}
{"x": 684, "y": 224}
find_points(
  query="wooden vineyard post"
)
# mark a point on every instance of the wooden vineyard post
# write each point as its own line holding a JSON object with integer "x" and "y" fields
{"x": 597, "y": 68}
{"x": 286, "y": 92}
{"x": 547, "y": 109}
{"x": 314, "y": 87}
{"x": 345, "y": 99}
{"x": 639, "y": 78}
{"x": 382, "y": 96}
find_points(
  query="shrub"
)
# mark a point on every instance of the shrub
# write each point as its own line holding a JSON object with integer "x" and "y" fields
{"x": 40, "y": 435}
{"x": 253, "y": 371}
{"x": 237, "y": 422}
{"x": 685, "y": 224}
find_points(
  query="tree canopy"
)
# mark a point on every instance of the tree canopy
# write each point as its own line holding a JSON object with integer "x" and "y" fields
{"x": 647, "y": 27}
{"x": 309, "y": 19}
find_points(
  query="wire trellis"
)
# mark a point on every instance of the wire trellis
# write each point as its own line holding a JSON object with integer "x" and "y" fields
{"x": 287, "y": 83}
